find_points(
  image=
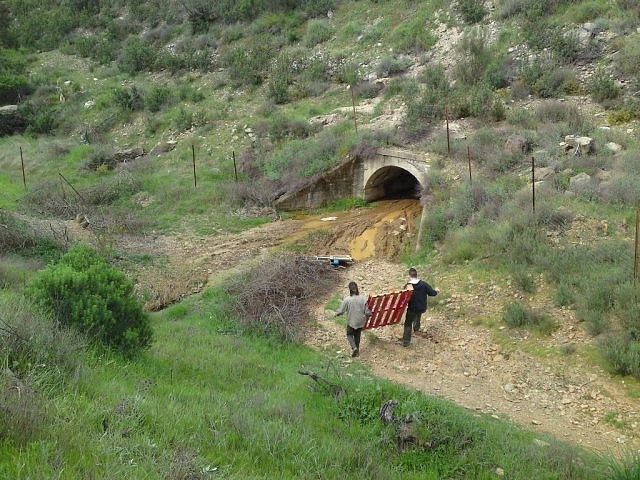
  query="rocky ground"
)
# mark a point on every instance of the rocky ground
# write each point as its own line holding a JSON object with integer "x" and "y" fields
{"x": 489, "y": 369}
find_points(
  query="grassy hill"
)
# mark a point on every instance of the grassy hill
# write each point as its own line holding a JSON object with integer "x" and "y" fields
{"x": 268, "y": 85}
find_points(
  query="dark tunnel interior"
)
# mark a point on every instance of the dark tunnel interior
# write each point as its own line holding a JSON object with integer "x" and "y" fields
{"x": 392, "y": 183}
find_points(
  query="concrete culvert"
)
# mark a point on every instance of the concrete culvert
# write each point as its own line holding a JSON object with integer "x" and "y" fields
{"x": 391, "y": 183}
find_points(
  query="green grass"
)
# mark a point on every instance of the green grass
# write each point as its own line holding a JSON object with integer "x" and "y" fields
{"x": 208, "y": 397}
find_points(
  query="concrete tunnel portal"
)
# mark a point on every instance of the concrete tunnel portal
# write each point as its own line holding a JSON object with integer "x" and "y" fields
{"x": 391, "y": 182}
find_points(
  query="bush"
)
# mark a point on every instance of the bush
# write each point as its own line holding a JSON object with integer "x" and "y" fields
{"x": 522, "y": 278}
{"x": 622, "y": 353}
{"x": 516, "y": 314}
{"x": 413, "y": 36}
{"x": 390, "y": 66}
{"x": 158, "y": 97}
{"x": 619, "y": 116}
{"x": 129, "y": 98}
{"x": 83, "y": 291}
{"x": 15, "y": 234}
{"x": 472, "y": 11}
{"x": 137, "y": 56}
{"x": 627, "y": 59}
{"x": 249, "y": 64}
{"x": 602, "y": 87}
{"x": 318, "y": 31}
{"x": 275, "y": 296}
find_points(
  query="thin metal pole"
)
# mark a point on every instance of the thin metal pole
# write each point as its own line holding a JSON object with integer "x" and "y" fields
{"x": 235, "y": 168}
{"x": 635, "y": 254}
{"x": 72, "y": 187}
{"x": 193, "y": 158}
{"x": 469, "y": 160}
{"x": 353, "y": 102}
{"x": 446, "y": 116}
{"x": 24, "y": 177}
{"x": 533, "y": 183}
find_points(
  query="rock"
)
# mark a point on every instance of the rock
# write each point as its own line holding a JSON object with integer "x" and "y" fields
{"x": 516, "y": 144}
{"x": 602, "y": 176}
{"x": 499, "y": 472}
{"x": 613, "y": 147}
{"x": 125, "y": 154}
{"x": 544, "y": 173}
{"x": 11, "y": 121}
{"x": 580, "y": 182}
{"x": 509, "y": 387}
{"x": 162, "y": 147}
{"x": 540, "y": 443}
{"x": 578, "y": 145}
{"x": 89, "y": 103}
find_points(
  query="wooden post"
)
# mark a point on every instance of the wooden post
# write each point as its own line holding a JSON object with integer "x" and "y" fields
{"x": 235, "y": 168}
{"x": 446, "y": 116}
{"x": 24, "y": 177}
{"x": 193, "y": 158}
{"x": 533, "y": 184}
{"x": 635, "y": 253}
{"x": 469, "y": 160}
{"x": 72, "y": 187}
{"x": 353, "y": 102}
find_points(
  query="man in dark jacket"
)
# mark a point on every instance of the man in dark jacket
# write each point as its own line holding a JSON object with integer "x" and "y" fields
{"x": 417, "y": 304}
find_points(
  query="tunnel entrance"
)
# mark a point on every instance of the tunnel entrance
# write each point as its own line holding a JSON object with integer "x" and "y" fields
{"x": 392, "y": 183}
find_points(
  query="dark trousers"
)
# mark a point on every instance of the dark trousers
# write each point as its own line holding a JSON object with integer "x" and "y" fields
{"x": 353, "y": 336}
{"x": 411, "y": 322}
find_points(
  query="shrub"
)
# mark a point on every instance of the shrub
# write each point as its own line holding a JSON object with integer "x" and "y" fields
{"x": 83, "y": 291}
{"x": 129, "y": 98}
{"x": 413, "y": 36}
{"x": 472, "y": 11}
{"x": 522, "y": 278}
{"x": 603, "y": 87}
{"x": 274, "y": 297}
{"x": 619, "y": 116}
{"x": 158, "y": 97}
{"x": 546, "y": 78}
{"x": 516, "y": 314}
{"x": 15, "y": 234}
{"x": 137, "y": 56}
{"x": 249, "y": 64}
{"x": 390, "y": 66}
{"x": 627, "y": 60}
{"x": 622, "y": 353}
{"x": 318, "y": 31}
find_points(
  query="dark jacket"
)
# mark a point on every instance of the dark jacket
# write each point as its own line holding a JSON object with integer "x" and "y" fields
{"x": 418, "y": 301}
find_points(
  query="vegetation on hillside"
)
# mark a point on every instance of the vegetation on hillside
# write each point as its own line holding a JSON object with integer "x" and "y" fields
{"x": 256, "y": 96}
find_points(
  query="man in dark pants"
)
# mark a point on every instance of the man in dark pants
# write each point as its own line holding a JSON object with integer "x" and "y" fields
{"x": 355, "y": 306}
{"x": 417, "y": 304}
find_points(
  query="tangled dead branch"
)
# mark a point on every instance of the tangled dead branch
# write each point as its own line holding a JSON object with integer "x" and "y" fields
{"x": 274, "y": 296}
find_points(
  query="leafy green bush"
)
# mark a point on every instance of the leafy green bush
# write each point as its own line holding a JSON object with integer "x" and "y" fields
{"x": 603, "y": 87}
{"x": 413, "y": 36}
{"x": 129, "y": 98}
{"x": 516, "y": 314}
{"x": 84, "y": 291}
{"x": 137, "y": 56}
{"x": 318, "y": 31}
{"x": 158, "y": 97}
{"x": 249, "y": 65}
{"x": 627, "y": 60}
{"x": 619, "y": 116}
{"x": 390, "y": 66}
{"x": 622, "y": 352}
{"x": 472, "y": 11}
{"x": 546, "y": 78}
{"x": 522, "y": 278}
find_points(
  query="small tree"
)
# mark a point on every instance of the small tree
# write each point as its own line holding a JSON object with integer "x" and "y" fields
{"x": 84, "y": 291}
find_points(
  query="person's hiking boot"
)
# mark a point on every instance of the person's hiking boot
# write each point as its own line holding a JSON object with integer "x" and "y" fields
{"x": 355, "y": 352}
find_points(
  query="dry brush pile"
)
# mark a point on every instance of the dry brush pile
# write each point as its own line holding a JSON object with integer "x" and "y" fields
{"x": 275, "y": 296}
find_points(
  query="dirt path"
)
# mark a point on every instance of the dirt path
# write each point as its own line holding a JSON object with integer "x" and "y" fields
{"x": 464, "y": 354}
{"x": 464, "y": 363}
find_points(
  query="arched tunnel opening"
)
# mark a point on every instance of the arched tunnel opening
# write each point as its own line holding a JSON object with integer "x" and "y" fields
{"x": 391, "y": 183}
